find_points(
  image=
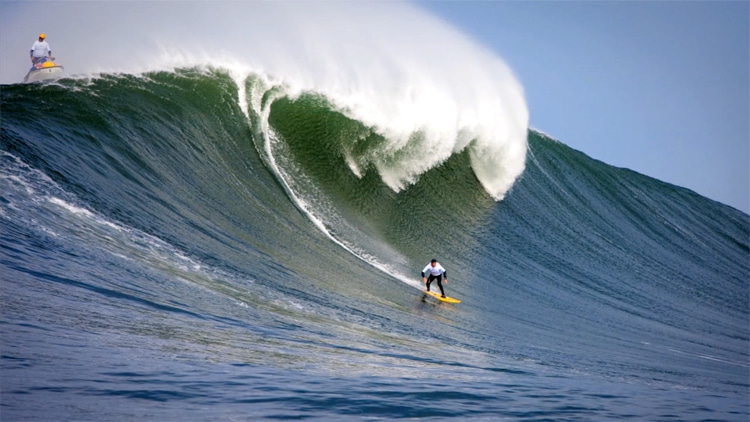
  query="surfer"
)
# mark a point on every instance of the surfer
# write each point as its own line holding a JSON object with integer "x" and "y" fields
{"x": 436, "y": 273}
{"x": 40, "y": 51}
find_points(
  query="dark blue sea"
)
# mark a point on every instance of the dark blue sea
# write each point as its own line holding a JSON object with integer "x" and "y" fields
{"x": 171, "y": 249}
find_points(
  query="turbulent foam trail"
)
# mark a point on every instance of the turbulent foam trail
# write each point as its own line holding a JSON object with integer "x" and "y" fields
{"x": 427, "y": 89}
{"x": 302, "y": 191}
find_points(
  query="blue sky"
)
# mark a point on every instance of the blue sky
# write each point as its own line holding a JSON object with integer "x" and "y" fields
{"x": 658, "y": 87}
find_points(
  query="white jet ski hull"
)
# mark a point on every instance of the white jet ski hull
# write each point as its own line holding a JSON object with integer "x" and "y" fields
{"x": 44, "y": 73}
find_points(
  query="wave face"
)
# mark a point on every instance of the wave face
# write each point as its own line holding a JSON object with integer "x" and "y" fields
{"x": 181, "y": 245}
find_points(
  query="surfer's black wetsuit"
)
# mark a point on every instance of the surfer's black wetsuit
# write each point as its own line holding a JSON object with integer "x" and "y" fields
{"x": 439, "y": 279}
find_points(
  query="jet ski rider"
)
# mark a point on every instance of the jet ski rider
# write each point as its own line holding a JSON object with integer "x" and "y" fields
{"x": 40, "y": 51}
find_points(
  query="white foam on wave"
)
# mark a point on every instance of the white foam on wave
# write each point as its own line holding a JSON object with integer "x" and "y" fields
{"x": 428, "y": 89}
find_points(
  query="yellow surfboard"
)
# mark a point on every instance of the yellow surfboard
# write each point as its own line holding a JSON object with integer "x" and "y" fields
{"x": 443, "y": 299}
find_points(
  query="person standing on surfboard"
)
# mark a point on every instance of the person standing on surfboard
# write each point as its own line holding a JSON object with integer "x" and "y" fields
{"x": 436, "y": 273}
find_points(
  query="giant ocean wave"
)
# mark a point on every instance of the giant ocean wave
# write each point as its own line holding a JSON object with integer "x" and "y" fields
{"x": 173, "y": 227}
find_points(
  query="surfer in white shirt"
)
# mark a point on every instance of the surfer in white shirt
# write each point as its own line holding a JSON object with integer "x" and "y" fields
{"x": 40, "y": 51}
{"x": 436, "y": 273}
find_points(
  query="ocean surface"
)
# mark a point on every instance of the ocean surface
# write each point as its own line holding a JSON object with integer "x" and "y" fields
{"x": 187, "y": 245}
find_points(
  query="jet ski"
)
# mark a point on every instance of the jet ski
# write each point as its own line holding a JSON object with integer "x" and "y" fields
{"x": 44, "y": 71}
